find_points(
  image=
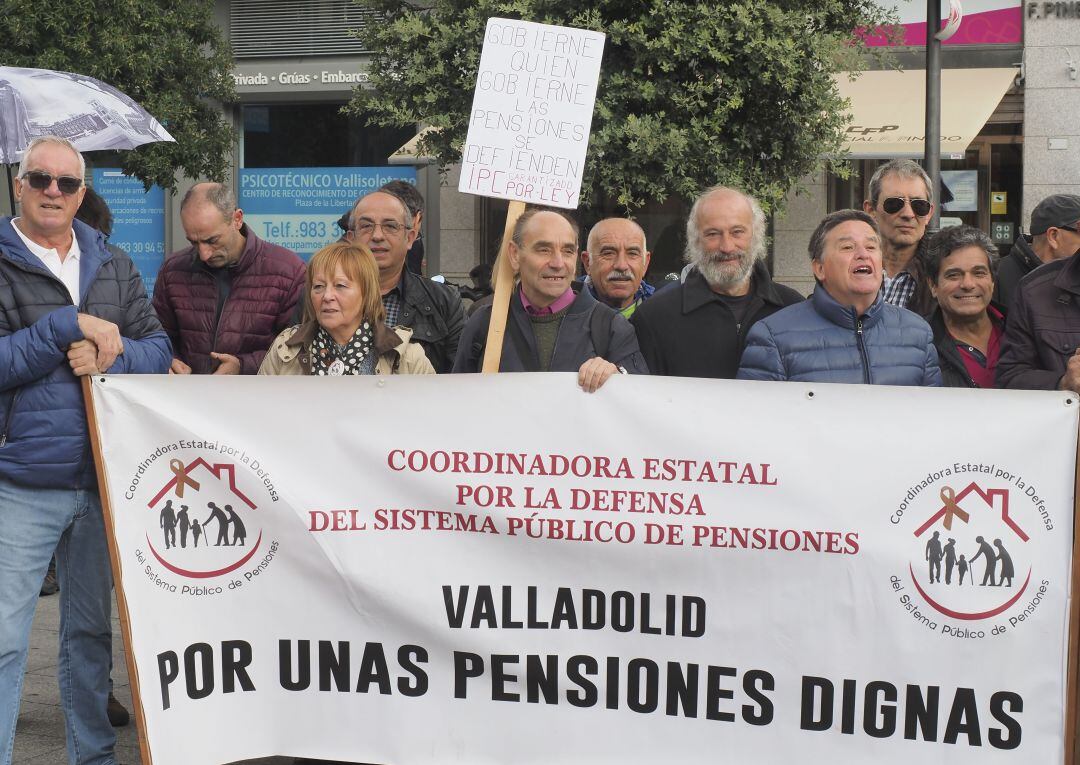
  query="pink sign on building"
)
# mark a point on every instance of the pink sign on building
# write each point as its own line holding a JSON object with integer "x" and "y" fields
{"x": 985, "y": 22}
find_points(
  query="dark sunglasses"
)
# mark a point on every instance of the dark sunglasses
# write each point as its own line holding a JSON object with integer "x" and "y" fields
{"x": 1074, "y": 229}
{"x": 68, "y": 184}
{"x": 893, "y": 205}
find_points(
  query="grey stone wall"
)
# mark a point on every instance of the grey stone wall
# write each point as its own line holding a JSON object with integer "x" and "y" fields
{"x": 459, "y": 229}
{"x": 1051, "y": 107}
{"x": 791, "y": 234}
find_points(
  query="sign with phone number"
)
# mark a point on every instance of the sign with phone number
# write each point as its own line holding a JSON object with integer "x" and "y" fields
{"x": 138, "y": 219}
{"x": 298, "y": 207}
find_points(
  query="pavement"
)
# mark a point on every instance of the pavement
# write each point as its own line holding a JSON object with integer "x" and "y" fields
{"x": 39, "y": 736}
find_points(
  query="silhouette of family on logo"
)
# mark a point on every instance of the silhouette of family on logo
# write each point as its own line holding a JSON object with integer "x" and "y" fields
{"x": 170, "y": 520}
{"x": 936, "y": 552}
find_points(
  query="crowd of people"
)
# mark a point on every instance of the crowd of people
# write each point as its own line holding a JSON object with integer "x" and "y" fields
{"x": 892, "y": 305}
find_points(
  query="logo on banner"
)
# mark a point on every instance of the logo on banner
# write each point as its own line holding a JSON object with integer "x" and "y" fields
{"x": 203, "y": 523}
{"x": 970, "y": 552}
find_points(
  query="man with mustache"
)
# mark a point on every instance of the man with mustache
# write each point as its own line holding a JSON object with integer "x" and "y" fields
{"x": 698, "y": 328}
{"x": 615, "y": 264}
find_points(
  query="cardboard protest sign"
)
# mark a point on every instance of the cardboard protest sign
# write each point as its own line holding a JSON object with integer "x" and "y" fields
{"x": 531, "y": 113}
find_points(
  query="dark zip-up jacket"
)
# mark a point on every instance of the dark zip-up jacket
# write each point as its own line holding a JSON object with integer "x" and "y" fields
{"x": 239, "y": 312}
{"x": 954, "y": 373}
{"x": 1043, "y": 328}
{"x": 436, "y": 315}
{"x": 821, "y": 340}
{"x": 573, "y": 344}
{"x": 1020, "y": 262}
{"x": 44, "y": 440}
{"x": 686, "y": 330}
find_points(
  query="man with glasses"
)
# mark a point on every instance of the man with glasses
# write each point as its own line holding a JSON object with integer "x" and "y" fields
{"x": 901, "y": 202}
{"x": 1054, "y": 234}
{"x": 69, "y": 308}
{"x": 381, "y": 222}
{"x": 225, "y": 298}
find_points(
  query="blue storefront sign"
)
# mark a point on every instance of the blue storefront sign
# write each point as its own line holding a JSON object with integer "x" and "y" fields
{"x": 298, "y": 207}
{"x": 138, "y": 219}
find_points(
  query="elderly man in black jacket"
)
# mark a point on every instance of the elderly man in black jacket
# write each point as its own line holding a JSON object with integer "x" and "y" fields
{"x": 1054, "y": 234}
{"x": 382, "y": 222}
{"x": 1041, "y": 349}
{"x": 699, "y": 328}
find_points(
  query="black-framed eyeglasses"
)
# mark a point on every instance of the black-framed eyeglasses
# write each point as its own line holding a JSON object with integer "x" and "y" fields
{"x": 1074, "y": 229}
{"x": 366, "y": 227}
{"x": 893, "y": 205}
{"x": 68, "y": 184}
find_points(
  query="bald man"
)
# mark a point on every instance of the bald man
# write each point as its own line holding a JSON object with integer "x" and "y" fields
{"x": 550, "y": 327}
{"x": 615, "y": 264}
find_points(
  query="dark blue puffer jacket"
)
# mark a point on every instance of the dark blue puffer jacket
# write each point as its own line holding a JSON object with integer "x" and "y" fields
{"x": 822, "y": 341}
{"x": 43, "y": 433}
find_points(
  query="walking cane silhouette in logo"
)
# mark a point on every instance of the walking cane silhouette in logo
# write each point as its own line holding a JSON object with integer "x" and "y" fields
{"x": 962, "y": 564}
{"x": 216, "y": 513}
{"x": 988, "y": 554}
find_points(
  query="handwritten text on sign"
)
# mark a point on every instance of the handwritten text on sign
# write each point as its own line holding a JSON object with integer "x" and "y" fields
{"x": 531, "y": 113}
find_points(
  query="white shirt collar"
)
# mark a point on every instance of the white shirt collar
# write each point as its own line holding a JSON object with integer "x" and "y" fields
{"x": 44, "y": 252}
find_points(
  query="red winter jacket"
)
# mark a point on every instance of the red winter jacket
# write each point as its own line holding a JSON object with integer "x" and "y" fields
{"x": 265, "y": 287}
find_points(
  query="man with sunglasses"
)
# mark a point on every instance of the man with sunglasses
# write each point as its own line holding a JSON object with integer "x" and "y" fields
{"x": 1054, "y": 234}
{"x": 225, "y": 298}
{"x": 901, "y": 202}
{"x": 69, "y": 307}
{"x": 1041, "y": 348}
{"x": 382, "y": 222}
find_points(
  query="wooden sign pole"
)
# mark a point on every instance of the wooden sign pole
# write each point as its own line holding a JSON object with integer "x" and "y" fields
{"x": 504, "y": 285}
{"x": 1071, "y": 686}
{"x": 114, "y": 559}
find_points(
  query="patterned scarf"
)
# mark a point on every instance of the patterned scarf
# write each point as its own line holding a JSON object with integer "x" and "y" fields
{"x": 329, "y": 358}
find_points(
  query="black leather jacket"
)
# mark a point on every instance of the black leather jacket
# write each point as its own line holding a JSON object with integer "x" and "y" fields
{"x": 436, "y": 315}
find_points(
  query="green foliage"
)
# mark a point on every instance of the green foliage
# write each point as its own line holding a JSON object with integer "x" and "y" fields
{"x": 168, "y": 56}
{"x": 691, "y": 94}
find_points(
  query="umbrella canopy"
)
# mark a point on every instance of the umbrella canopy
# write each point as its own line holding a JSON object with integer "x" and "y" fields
{"x": 87, "y": 112}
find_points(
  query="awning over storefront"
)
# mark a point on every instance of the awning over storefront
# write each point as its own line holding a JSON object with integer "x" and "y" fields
{"x": 888, "y": 109}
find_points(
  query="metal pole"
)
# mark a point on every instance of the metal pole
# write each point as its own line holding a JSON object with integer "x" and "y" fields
{"x": 932, "y": 142}
{"x": 11, "y": 188}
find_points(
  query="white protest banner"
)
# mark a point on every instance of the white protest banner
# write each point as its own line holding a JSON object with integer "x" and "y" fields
{"x": 668, "y": 570}
{"x": 531, "y": 113}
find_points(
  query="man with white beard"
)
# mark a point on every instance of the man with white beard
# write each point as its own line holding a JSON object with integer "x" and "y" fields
{"x": 698, "y": 328}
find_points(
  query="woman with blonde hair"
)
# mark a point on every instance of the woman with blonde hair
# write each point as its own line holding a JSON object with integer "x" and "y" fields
{"x": 343, "y": 331}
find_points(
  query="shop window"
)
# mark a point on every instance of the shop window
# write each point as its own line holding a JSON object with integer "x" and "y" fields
{"x": 314, "y": 135}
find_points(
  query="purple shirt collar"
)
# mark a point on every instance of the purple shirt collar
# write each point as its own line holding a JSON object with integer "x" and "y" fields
{"x": 562, "y": 302}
